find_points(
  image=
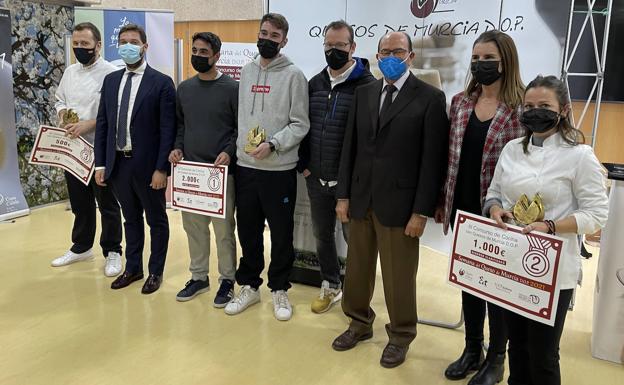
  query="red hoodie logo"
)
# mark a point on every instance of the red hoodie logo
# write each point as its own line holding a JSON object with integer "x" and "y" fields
{"x": 260, "y": 89}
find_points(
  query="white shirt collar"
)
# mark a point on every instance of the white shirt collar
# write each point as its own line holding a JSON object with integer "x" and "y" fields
{"x": 343, "y": 76}
{"x": 399, "y": 83}
{"x": 138, "y": 71}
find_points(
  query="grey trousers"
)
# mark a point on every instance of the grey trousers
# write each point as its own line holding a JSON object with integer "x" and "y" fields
{"x": 198, "y": 234}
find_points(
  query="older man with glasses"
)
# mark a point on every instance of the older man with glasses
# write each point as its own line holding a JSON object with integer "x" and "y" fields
{"x": 391, "y": 171}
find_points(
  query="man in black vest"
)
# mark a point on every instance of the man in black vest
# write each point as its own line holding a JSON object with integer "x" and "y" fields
{"x": 331, "y": 93}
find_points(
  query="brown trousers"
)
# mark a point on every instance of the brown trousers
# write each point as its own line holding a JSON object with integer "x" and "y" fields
{"x": 398, "y": 254}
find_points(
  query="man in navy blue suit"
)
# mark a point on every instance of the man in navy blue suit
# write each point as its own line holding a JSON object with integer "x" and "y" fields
{"x": 134, "y": 134}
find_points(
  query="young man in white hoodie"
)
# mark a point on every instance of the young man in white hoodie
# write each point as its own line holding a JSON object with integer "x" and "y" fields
{"x": 273, "y": 97}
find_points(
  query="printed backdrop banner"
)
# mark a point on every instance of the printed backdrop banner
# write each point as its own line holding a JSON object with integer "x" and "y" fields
{"x": 12, "y": 200}
{"x": 442, "y": 31}
{"x": 234, "y": 56}
{"x": 158, "y": 27}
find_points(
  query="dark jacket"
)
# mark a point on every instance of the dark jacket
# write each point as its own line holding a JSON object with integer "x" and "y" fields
{"x": 152, "y": 123}
{"x": 396, "y": 169}
{"x": 329, "y": 110}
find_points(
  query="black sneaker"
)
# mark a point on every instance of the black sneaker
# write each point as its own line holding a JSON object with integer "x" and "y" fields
{"x": 225, "y": 294}
{"x": 192, "y": 289}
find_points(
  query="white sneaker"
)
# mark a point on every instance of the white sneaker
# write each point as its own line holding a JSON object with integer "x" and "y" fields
{"x": 71, "y": 257}
{"x": 245, "y": 298}
{"x": 281, "y": 305}
{"x": 113, "y": 266}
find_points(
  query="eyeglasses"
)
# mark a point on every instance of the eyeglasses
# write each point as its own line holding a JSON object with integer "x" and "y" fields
{"x": 393, "y": 52}
{"x": 340, "y": 45}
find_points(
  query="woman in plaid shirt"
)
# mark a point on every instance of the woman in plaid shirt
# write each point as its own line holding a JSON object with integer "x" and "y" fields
{"x": 483, "y": 119}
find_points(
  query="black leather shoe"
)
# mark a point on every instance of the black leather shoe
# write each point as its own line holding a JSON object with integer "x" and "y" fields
{"x": 491, "y": 372}
{"x": 393, "y": 355}
{"x": 126, "y": 279}
{"x": 349, "y": 339}
{"x": 469, "y": 361}
{"x": 152, "y": 283}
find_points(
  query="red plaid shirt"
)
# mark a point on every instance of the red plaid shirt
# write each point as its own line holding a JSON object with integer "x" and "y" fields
{"x": 504, "y": 127}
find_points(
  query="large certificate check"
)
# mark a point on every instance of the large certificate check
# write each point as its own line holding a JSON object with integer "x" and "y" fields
{"x": 510, "y": 269}
{"x": 53, "y": 148}
{"x": 199, "y": 188}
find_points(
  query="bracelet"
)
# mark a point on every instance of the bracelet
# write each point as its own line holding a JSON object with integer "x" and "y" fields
{"x": 552, "y": 229}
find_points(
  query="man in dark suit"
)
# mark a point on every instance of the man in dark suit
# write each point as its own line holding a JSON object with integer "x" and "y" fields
{"x": 391, "y": 170}
{"x": 134, "y": 134}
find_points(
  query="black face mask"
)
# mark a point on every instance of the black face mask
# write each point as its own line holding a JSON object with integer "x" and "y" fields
{"x": 485, "y": 71}
{"x": 201, "y": 64}
{"x": 539, "y": 120}
{"x": 336, "y": 58}
{"x": 84, "y": 55}
{"x": 268, "y": 48}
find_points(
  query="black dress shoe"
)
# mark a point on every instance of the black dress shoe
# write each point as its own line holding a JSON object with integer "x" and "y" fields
{"x": 469, "y": 361}
{"x": 152, "y": 283}
{"x": 349, "y": 339}
{"x": 126, "y": 279}
{"x": 393, "y": 355}
{"x": 491, "y": 372}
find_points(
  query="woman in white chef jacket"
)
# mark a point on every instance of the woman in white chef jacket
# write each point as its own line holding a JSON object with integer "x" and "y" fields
{"x": 552, "y": 161}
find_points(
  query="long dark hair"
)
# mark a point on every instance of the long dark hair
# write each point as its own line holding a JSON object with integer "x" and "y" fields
{"x": 568, "y": 132}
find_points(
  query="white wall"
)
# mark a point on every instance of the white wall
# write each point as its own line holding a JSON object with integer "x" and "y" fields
{"x": 197, "y": 10}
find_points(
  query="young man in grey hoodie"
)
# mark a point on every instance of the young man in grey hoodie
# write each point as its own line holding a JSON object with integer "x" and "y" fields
{"x": 273, "y": 99}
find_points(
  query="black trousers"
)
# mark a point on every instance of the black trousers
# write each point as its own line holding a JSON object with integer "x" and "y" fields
{"x": 534, "y": 346}
{"x": 82, "y": 199}
{"x": 474, "y": 317}
{"x": 136, "y": 197}
{"x": 474, "y": 309}
{"x": 323, "y": 209}
{"x": 271, "y": 196}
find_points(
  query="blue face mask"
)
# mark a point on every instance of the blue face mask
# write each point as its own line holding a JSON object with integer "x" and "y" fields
{"x": 130, "y": 53}
{"x": 392, "y": 67}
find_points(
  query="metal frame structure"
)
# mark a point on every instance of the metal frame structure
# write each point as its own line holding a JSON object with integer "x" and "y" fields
{"x": 600, "y": 54}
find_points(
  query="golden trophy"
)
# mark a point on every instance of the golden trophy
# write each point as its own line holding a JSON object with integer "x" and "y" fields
{"x": 69, "y": 117}
{"x": 526, "y": 212}
{"x": 255, "y": 137}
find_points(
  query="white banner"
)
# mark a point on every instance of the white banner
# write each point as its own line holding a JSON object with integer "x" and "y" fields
{"x": 12, "y": 201}
{"x": 199, "y": 188}
{"x": 608, "y": 324}
{"x": 506, "y": 267}
{"x": 53, "y": 148}
{"x": 442, "y": 31}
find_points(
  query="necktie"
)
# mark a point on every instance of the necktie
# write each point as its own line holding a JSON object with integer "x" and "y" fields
{"x": 390, "y": 90}
{"x": 122, "y": 122}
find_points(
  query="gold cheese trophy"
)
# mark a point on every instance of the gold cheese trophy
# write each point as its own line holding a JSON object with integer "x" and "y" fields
{"x": 255, "y": 137}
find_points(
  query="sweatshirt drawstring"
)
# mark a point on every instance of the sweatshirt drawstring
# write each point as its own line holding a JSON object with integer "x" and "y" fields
{"x": 253, "y": 104}
{"x": 266, "y": 75}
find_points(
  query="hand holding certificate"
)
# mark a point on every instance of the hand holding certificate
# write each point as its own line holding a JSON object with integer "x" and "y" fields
{"x": 53, "y": 148}
{"x": 199, "y": 188}
{"x": 506, "y": 267}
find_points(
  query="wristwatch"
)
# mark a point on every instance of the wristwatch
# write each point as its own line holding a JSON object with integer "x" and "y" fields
{"x": 272, "y": 146}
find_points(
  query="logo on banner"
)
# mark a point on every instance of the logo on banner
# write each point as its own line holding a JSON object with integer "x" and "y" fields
{"x": 423, "y": 8}
{"x": 535, "y": 261}
{"x": 214, "y": 183}
{"x": 85, "y": 155}
{"x": 260, "y": 89}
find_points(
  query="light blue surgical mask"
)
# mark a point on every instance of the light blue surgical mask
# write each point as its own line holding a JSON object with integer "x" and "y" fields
{"x": 130, "y": 53}
{"x": 392, "y": 67}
